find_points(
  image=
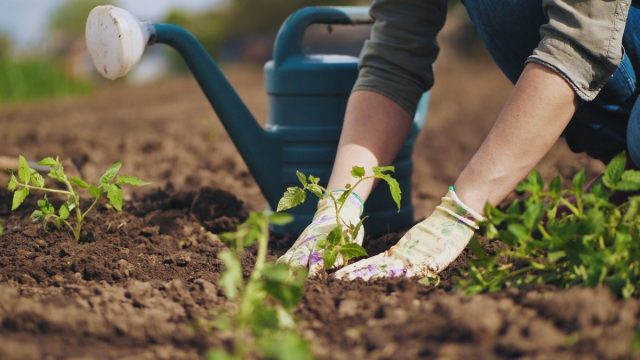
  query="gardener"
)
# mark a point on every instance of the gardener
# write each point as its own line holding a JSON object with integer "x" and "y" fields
{"x": 574, "y": 66}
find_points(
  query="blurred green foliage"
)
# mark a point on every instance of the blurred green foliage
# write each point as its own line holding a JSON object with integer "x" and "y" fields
{"x": 5, "y": 45}
{"x": 243, "y": 17}
{"x": 37, "y": 78}
{"x": 69, "y": 19}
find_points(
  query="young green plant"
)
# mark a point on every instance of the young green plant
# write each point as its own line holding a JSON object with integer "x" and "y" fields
{"x": 70, "y": 213}
{"x": 262, "y": 323}
{"x": 565, "y": 237}
{"x": 340, "y": 240}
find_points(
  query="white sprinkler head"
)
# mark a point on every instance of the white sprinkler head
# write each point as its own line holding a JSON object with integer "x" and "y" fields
{"x": 115, "y": 39}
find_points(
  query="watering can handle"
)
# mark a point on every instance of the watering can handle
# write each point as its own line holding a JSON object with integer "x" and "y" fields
{"x": 289, "y": 40}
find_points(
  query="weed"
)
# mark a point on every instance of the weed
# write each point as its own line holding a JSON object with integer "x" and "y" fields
{"x": 262, "y": 323}
{"x": 29, "y": 180}
{"x": 563, "y": 237}
{"x": 340, "y": 240}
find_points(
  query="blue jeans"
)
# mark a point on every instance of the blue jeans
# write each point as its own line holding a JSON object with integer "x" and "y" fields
{"x": 602, "y": 127}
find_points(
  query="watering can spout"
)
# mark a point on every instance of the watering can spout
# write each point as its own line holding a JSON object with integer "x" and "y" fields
{"x": 116, "y": 40}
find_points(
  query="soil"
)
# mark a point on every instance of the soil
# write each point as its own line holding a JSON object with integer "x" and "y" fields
{"x": 140, "y": 279}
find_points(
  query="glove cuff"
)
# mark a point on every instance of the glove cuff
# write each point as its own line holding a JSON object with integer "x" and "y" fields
{"x": 452, "y": 205}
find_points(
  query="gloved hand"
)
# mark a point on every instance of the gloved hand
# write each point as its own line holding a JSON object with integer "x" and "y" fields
{"x": 305, "y": 252}
{"x": 426, "y": 249}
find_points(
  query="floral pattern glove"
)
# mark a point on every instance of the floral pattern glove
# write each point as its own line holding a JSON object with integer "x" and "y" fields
{"x": 305, "y": 251}
{"x": 426, "y": 249}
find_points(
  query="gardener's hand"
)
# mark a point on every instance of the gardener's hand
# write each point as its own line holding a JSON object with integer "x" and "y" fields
{"x": 305, "y": 252}
{"x": 426, "y": 249}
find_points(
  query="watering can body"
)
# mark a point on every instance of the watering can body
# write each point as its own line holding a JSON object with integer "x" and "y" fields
{"x": 307, "y": 95}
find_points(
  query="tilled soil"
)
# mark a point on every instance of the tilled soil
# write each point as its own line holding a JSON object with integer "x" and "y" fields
{"x": 140, "y": 280}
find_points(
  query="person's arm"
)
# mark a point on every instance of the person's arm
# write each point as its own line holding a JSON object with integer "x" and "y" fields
{"x": 540, "y": 107}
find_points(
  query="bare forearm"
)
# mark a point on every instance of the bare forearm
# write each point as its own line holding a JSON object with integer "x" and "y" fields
{"x": 540, "y": 107}
{"x": 374, "y": 129}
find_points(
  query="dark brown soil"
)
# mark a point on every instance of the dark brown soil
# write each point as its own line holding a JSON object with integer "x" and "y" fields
{"x": 139, "y": 281}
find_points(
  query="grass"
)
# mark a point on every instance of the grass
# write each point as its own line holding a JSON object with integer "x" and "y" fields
{"x": 37, "y": 79}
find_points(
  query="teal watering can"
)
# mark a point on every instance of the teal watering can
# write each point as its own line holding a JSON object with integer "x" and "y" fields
{"x": 307, "y": 99}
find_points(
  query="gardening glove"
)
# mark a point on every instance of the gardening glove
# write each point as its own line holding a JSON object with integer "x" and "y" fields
{"x": 305, "y": 252}
{"x": 426, "y": 249}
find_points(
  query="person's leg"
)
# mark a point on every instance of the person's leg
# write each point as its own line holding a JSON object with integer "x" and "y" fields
{"x": 510, "y": 31}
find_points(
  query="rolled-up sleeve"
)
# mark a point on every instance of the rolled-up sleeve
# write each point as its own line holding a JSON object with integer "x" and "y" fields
{"x": 582, "y": 41}
{"x": 397, "y": 61}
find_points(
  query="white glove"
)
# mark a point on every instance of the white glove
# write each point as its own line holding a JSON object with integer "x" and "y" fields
{"x": 305, "y": 252}
{"x": 426, "y": 249}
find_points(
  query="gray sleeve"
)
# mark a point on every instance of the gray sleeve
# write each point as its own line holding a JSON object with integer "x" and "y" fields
{"x": 582, "y": 41}
{"x": 397, "y": 61}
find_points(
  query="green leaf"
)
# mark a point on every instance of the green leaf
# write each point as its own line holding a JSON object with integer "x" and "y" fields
{"x": 95, "y": 191}
{"x": 313, "y": 179}
{"x": 111, "y": 173}
{"x": 357, "y": 171}
{"x": 329, "y": 258}
{"x": 613, "y": 172}
{"x": 79, "y": 182}
{"x": 284, "y": 283}
{"x": 555, "y": 186}
{"x": 24, "y": 171}
{"x": 13, "y": 183}
{"x": 231, "y": 279}
{"x": 316, "y": 190}
{"x": 1, "y": 229}
{"x": 533, "y": 215}
{"x": 49, "y": 161}
{"x": 280, "y": 218}
{"x": 131, "y": 180}
{"x": 519, "y": 231}
{"x": 37, "y": 179}
{"x": 293, "y": 197}
{"x": 37, "y": 216}
{"x": 302, "y": 178}
{"x": 352, "y": 250}
{"x": 578, "y": 181}
{"x": 394, "y": 187}
{"x": 114, "y": 194}
{"x": 18, "y": 197}
{"x": 630, "y": 181}
{"x": 335, "y": 235}
{"x": 532, "y": 184}
{"x": 284, "y": 345}
{"x": 63, "y": 212}
{"x": 554, "y": 256}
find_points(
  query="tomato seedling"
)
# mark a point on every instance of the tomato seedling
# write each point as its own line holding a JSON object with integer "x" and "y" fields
{"x": 29, "y": 180}
{"x": 340, "y": 240}
{"x": 564, "y": 237}
{"x": 262, "y": 323}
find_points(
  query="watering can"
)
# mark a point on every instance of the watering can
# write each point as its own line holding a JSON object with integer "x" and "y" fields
{"x": 307, "y": 99}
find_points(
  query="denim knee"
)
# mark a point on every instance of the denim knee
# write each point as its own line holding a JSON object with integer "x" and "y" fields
{"x": 633, "y": 134}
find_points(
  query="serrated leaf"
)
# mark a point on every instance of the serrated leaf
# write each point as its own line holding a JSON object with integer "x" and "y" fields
{"x": 578, "y": 181}
{"x": 280, "y": 218}
{"x": 63, "y": 212}
{"x": 613, "y": 172}
{"x": 293, "y": 197}
{"x": 313, "y": 179}
{"x": 111, "y": 173}
{"x": 630, "y": 181}
{"x": 49, "y": 161}
{"x": 95, "y": 191}
{"x": 24, "y": 171}
{"x": 316, "y": 190}
{"x": 394, "y": 187}
{"x": 377, "y": 170}
{"x": 18, "y": 197}
{"x": 131, "y": 180}
{"x": 302, "y": 178}
{"x": 329, "y": 258}
{"x": 79, "y": 182}
{"x": 114, "y": 194}
{"x": 37, "y": 179}
{"x": 231, "y": 279}
{"x": 335, "y": 235}
{"x": 13, "y": 183}
{"x": 352, "y": 250}
{"x": 357, "y": 171}
{"x": 37, "y": 216}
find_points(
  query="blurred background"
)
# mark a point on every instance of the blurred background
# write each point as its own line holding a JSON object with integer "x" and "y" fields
{"x": 42, "y": 50}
